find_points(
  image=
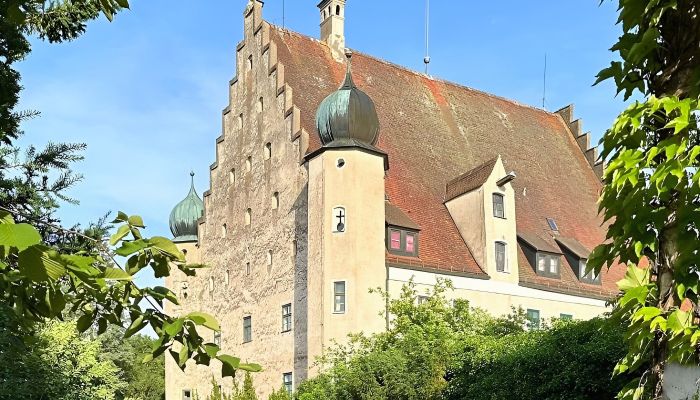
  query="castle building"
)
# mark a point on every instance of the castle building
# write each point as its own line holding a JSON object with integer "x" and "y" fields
{"x": 337, "y": 172}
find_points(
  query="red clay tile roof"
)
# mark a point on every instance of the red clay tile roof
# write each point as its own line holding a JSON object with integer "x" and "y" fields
{"x": 469, "y": 181}
{"x": 434, "y": 131}
{"x": 396, "y": 217}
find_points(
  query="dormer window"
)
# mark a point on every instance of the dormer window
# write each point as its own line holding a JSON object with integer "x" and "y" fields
{"x": 587, "y": 276}
{"x": 402, "y": 242}
{"x": 577, "y": 255}
{"x": 548, "y": 264}
{"x": 499, "y": 210}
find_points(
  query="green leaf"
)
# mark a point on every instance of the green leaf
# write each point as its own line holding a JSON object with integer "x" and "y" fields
{"x": 167, "y": 246}
{"x": 119, "y": 235}
{"x": 84, "y": 322}
{"x": 6, "y": 217}
{"x": 204, "y": 319}
{"x": 646, "y": 313}
{"x": 136, "y": 325}
{"x": 136, "y": 221}
{"x": 121, "y": 217}
{"x": 678, "y": 321}
{"x": 19, "y": 236}
{"x": 250, "y": 367}
{"x": 634, "y": 277}
{"x": 40, "y": 264}
{"x": 132, "y": 247}
{"x": 116, "y": 274}
{"x": 174, "y": 327}
{"x": 211, "y": 349}
{"x": 229, "y": 364}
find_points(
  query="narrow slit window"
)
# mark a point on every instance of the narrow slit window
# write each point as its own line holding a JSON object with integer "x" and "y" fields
{"x": 240, "y": 121}
{"x": 247, "y": 329}
{"x": 248, "y": 213}
{"x": 275, "y": 200}
{"x": 287, "y": 317}
{"x": 339, "y": 297}
{"x": 260, "y": 105}
{"x": 268, "y": 150}
{"x": 217, "y": 338}
{"x": 232, "y": 176}
{"x": 249, "y": 163}
{"x": 250, "y": 62}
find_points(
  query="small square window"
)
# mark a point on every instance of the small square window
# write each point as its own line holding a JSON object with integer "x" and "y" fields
{"x": 422, "y": 299}
{"x": 339, "y": 297}
{"x": 186, "y": 394}
{"x": 286, "y": 318}
{"x": 247, "y": 329}
{"x": 395, "y": 242}
{"x": 566, "y": 317}
{"x": 533, "y": 318}
{"x": 498, "y": 206}
{"x": 287, "y": 382}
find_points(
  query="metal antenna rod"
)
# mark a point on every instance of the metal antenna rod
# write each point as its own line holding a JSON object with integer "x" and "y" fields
{"x": 544, "y": 85}
{"x": 426, "y": 59}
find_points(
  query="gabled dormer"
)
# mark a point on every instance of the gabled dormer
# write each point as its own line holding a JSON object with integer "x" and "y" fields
{"x": 577, "y": 255}
{"x": 482, "y": 205}
{"x": 402, "y": 233}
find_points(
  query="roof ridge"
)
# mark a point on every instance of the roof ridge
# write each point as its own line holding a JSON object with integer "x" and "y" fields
{"x": 419, "y": 74}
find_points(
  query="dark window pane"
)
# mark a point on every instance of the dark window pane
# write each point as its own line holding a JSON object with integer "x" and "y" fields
{"x": 498, "y": 208}
{"x": 500, "y": 257}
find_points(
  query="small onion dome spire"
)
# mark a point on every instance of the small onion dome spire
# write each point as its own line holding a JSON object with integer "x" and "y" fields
{"x": 348, "y": 116}
{"x": 184, "y": 217}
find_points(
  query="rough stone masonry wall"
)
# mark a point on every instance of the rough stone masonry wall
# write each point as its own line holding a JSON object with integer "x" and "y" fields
{"x": 273, "y": 243}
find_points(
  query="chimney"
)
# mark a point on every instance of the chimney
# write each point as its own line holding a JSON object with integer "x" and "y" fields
{"x": 333, "y": 26}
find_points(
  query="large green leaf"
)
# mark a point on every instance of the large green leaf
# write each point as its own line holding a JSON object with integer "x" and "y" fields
{"x": 167, "y": 246}
{"x": 229, "y": 365}
{"x": 132, "y": 247}
{"x": 204, "y": 319}
{"x": 39, "y": 263}
{"x": 116, "y": 274}
{"x": 119, "y": 235}
{"x": 19, "y": 236}
{"x": 634, "y": 277}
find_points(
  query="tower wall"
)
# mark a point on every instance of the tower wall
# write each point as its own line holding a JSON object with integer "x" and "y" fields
{"x": 355, "y": 256}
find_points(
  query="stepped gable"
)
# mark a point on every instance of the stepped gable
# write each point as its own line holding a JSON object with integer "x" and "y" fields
{"x": 434, "y": 131}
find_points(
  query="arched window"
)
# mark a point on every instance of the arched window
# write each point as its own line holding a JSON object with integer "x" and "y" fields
{"x": 269, "y": 258}
{"x": 275, "y": 200}
{"x": 223, "y": 230}
{"x": 240, "y": 121}
{"x": 260, "y": 105}
{"x": 248, "y": 213}
{"x": 232, "y": 176}
{"x": 339, "y": 220}
{"x": 337, "y": 10}
{"x": 267, "y": 151}
{"x": 211, "y": 284}
{"x": 227, "y": 277}
{"x": 249, "y": 163}
{"x": 250, "y": 62}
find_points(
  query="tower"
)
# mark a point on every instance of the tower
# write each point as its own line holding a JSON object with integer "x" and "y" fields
{"x": 346, "y": 220}
{"x": 184, "y": 220}
{"x": 333, "y": 25}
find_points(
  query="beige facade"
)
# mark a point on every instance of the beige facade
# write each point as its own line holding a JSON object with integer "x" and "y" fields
{"x": 270, "y": 234}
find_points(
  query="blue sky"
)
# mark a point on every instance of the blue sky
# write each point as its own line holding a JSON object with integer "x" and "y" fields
{"x": 146, "y": 91}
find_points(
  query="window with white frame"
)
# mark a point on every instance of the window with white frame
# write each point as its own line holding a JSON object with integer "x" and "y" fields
{"x": 339, "y": 297}
{"x": 533, "y": 319}
{"x": 548, "y": 264}
{"x": 287, "y": 317}
{"x": 499, "y": 210}
{"x": 501, "y": 258}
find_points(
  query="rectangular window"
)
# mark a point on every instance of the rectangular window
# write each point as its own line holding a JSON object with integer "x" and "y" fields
{"x": 533, "y": 318}
{"x": 589, "y": 276}
{"x": 286, "y": 318}
{"x": 247, "y": 329}
{"x": 339, "y": 297}
{"x": 500, "y": 257}
{"x": 548, "y": 264}
{"x": 498, "y": 208}
{"x": 217, "y": 338}
{"x": 395, "y": 240}
{"x": 186, "y": 394}
{"x": 287, "y": 382}
{"x": 422, "y": 299}
{"x": 566, "y": 317}
{"x": 410, "y": 243}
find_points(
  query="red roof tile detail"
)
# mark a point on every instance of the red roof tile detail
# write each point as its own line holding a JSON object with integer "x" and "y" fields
{"x": 469, "y": 181}
{"x": 434, "y": 131}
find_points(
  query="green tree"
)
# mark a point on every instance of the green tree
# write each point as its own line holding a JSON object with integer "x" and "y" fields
{"x": 145, "y": 381}
{"x": 55, "y": 362}
{"x": 568, "y": 361}
{"x": 651, "y": 188}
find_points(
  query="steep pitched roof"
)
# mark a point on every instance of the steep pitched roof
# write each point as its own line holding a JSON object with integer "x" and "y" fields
{"x": 434, "y": 131}
{"x": 470, "y": 180}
